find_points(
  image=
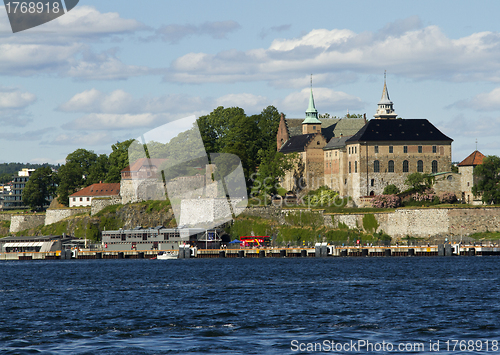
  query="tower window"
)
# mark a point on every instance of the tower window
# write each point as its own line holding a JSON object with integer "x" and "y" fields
{"x": 390, "y": 166}
{"x": 434, "y": 149}
{"x": 355, "y": 166}
{"x": 391, "y": 149}
{"x": 376, "y": 166}
{"x": 405, "y": 149}
{"x": 376, "y": 149}
{"x": 349, "y": 167}
{"x": 372, "y": 182}
{"x": 405, "y": 166}
{"x": 420, "y": 149}
{"x": 420, "y": 166}
{"x": 434, "y": 166}
{"x": 314, "y": 127}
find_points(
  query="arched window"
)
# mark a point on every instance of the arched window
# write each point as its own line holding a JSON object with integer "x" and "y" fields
{"x": 390, "y": 166}
{"x": 372, "y": 193}
{"x": 434, "y": 166}
{"x": 405, "y": 166}
{"x": 376, "y": 166}
{"x": 420, "y": 166}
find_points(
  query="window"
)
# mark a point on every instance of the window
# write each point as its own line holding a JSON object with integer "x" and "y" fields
{"x": 345, "y": 181}
{"x": 314, "y": 127}
{"x": 81, "y": 199}
{"x": 420, "y": 149}
{"x": 349, "y": 167}
{"x": 376, "y": 166}
{"x": 372, "y": 182}
{"x": 349, "y": 150}
{"x": 420, "y": 166}
{"x": 355, "y": 166}
{"x": 390, "y": 166}
{"x": 317, "y": 143}
{"x": 376, "y": 149}
{"x": 355, "y": 150}
{"x": 434, "y": 149}
{"x": 74, "y": 199}
{"x": 405, "y": 166}
{"x": 434, "y": 166}
{"x": 391, "y": 149}
{"x": 405, "y": 149}
{"x": 88, "y": 198}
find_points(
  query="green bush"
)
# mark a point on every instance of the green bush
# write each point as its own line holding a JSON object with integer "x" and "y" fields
{"x": 370, "y": 223}
{"x": 390, "y": 190}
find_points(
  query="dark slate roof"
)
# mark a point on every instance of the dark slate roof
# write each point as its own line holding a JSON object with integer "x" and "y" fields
{"x": 297, "y": 143}
{"x": 417, "y": 130}
{"x": 330, "y": 127}
{"x": 336, "y": 142}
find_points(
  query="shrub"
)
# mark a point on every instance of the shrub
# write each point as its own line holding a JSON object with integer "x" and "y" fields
{"x": 390, "y": 190}
{"x": 386, "y": 201}
{"x": 447, "y": 197}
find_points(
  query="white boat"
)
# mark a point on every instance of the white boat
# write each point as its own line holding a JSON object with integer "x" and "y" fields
{"x": 164, "y": 255}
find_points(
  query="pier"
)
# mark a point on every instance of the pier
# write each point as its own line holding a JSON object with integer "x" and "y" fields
{"x": 320, "y": 250}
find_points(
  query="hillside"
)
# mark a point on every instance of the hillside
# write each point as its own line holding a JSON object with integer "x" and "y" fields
{"x": 145, "y": 214}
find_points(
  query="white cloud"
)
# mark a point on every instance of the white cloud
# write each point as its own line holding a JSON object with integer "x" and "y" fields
{"x": 107, "y": 121}
{"x": 489, "y": 101}
{"x": 217, "y": 30}
{"x": 402, "y": 46}
{"x": 326, "y": 99}
{"x": 81, "y": 139}
{"x": 15, "y": 99}
{"x": 249, "y": 102}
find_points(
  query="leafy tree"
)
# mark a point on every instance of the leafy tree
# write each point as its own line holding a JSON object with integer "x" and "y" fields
{"x": 78, "y": 172}
{"x": 273, "y": 167}
{"x": 419, "y": 181}
{"x": 390, "y": 190}
{"x": 39, "y": 188}
{"x": 488, "y": 179}
{"x": 118, "y": 160}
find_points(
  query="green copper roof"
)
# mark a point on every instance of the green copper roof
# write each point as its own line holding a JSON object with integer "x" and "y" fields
{"x": 311, "y": 113}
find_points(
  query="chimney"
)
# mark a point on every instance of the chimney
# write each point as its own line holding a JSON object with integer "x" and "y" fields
{"x": 364, "y": 117}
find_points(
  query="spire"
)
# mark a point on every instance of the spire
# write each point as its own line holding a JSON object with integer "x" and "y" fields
{"x": 385, "y": 108}
{"x": 311, "y": 113}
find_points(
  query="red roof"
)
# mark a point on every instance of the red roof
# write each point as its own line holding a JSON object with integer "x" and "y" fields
{"x": 144, "y": 162}
{"x": 97, "y": 190}
{"x": 476, "y": 158}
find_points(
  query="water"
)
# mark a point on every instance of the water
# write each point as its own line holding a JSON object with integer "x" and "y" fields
{"x": 246, "y": 306}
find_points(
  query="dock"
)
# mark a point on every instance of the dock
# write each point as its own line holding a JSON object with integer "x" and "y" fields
{"x": 320, "y": 250}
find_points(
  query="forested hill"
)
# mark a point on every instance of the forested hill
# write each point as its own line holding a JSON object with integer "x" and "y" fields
{"x": 8, "y": 170}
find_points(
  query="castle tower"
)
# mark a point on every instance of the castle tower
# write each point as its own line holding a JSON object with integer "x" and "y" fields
{"x": 311, "y": 124}
{"x": 385, "y": 108}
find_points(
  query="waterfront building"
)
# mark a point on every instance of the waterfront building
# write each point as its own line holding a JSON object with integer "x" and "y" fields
{"x": 13, "y": 199}
{"x": 83, "y": 198}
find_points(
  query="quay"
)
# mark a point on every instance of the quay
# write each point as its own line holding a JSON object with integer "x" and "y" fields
{"x": 320, "y": 250}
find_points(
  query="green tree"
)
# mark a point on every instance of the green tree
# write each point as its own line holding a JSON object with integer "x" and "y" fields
{"x": 419, "y": 181}
{"x": 39, "y": 188}
{"x": 488, "y": 179}
{"x": 390, "y": 190}
{"x": 118, "y": 160}
{"x": 77, "y": 172}
{"x": 272, "y": 167}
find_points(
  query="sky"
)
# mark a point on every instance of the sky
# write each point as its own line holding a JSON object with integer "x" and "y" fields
{"x": 112, "y": 70}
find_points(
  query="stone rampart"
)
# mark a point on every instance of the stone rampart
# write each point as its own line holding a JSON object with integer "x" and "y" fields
{"x": 56, "y": 215}
{"x": 5, "y": 216}
{"x": 428, "y": 222}
{"x": 98, "y": 204}
{"x": 204, "y": 212}
{"x": 25, "y": 221}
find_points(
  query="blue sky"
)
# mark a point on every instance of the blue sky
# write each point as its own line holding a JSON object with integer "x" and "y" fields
{"x": 111, "y": 70}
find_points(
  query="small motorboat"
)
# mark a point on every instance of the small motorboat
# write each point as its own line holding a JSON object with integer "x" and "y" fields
{"x": 164, "y": 255}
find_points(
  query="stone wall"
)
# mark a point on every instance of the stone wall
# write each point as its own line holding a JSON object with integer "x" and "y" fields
{"x": 98, "y": 204}
{"x": 5, "y": 216}
{"x": 25, "y": 221}
{"x": 208, "y": 212}
{"x": 425, "y": 223}
{"x": 56, "y": 215}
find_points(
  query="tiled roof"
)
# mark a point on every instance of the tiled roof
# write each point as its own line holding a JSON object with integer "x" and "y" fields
{"x": 96, "y": 190}
{"x": 144, "y": 162}
{"x": 336, "y": 142}
{"x": 476, "y": 158}
{"x": 297, "y": 143}
{"x": 330, "y": 127}
{"x": 411, "y": 130}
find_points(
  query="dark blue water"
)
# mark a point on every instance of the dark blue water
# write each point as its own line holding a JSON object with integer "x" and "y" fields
{"x": 247, "y": 306}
